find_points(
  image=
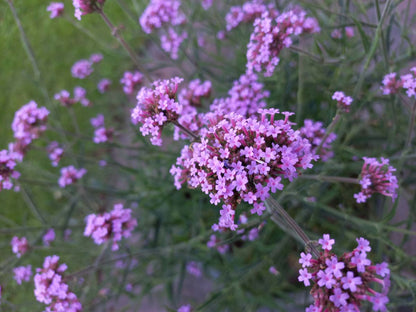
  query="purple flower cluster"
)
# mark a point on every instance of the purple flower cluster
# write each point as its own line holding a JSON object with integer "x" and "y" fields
{"x": 214, "y": 242}
{"x": 130, "y": 81}
{"x": 19, "y": 246}
{"x": 247, "y": 13}
{"x": 243, "y": 159}
{"x": 101, "y": 133}
{"x": 341, "y": 284}
{"x": 314, "y": 132}
{"x": 185, "y": 308}
{"x": 80, "y": 96}
{"x": 55, "y": 153}
{"x": 160, "y": 13}
{"x": 171, "y": 41}
{"x": 8, "y": 161}
{"x": 206, "y": 4}
{"x": 51, "y": 289}
{"x": 103, "y": 85}
{"x": 83, "y": 7}
{"x": 156, "y": 107}
{"x": 343, "y": 101}
{"x": 22, "y": 274}
{"x": 48, "y": 237}
{"x": 377, "y": 177}
{"x": 28, "y": 123}
{"x": 82, "y": 69}
{"x": 272, "y": 34}
{"x": 408, "y": 82}
{"x": 70, "y": 175}
{"x": 56, "y": 9}
{"x": 194, "y": 268}
{"x": 113, "y": 225}
{"x": 337, "y": 33}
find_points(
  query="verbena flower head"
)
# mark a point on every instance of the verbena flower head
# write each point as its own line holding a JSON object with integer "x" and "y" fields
{"x": 113, "y": 225}
{"x": 206, "y": 4}
{"x": 8, "y": 160}
{"x": 83, "y": 7}
{"x": 101, "y": 133}
{"x": 80, "y": 95}
{"x": 246, "y": 13}
{"x": 48, "y": 237}
{"x": 194, "y": 269}
{"x": 55, "y": 153}
{"x": 56, "y": 9}
{"x": 390, "y": 84}
{"x": 409, "y": 83}
{"x": 103, "y": 85}
{"x": 64, "y": 97}
{"x": 377, "y": 177}
{"x": 70, "y": 175}
{"x": 341, "y": 284}
{"x": 243, "y": 159}
{"x": 82, "y": 69}
{"x": 161, "y": 12}
{"x": 29, "y": 122}
{"x": 314, "y": 132}
{"x": 344, "y": 102}
{"x": 19, "y": 246}
{"x": 156, "y": 107}
{"x": 185, "y": 308}
{"x": 130, "y": 81}
{"x": 22, "y": 274}
{"x": 273, "y": 33}
{"x": 51, "y": 289}
{"x": 96, "y": 58}
{"x": 171, "y": 41}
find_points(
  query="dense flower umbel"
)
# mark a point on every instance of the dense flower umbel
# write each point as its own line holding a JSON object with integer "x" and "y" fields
{"x": 19, "y": 246}
{"x": 70, "y": 175}
{"x": 341, "y": 284}
{"x": 314, "y": 132}
{"x": 156, "y": 107}
{"x": 8, "y": 161}
{"x": 22, "y": 274}
{"x": 246, "y": 13}
{"x": 55, "y": 153}
{"x": 83, "y": 7}
{"x": 56, "y": 9}
{"x": 241, "y": 159}
{"x": 130, "y": 80}
{"x": 271, "y": 34}
{"x": 82, "y": 69}
{"x": 51, "y": 289}
{"x": 377, "y": 177}
{"x": 344, "y": 102}
{"x": 29, "y": 122}
{"x": 160, "y": 13}
{"x": 113, "y": 225}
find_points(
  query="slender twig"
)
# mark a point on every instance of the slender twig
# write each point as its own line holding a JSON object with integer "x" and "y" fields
{"x": 329, "y": 178}
{"x": 329, "y": 130}
{"x": 279, "y": 213}
{"x": 411, "y": 125}
{"x": 187, "y": 131}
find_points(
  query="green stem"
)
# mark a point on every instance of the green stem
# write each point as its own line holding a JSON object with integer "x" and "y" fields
{"x": 329, "y": 130}
{"x": 411, "y": 125}
{"x": 186, "y": 130}
{"x": 329, "y": 178}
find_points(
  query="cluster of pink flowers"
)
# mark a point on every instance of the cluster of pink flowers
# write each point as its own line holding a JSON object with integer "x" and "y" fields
{"x": 337, "y": 33}
{"x": 22, "y": 274}
{"x": 160, "y": 13}
{"x": 70, "y": 175}
{"x": 185, "y": 308}
{"x": 377, "y": 177}
{"x": 343, "y": 101}
{"x": 130, "y": 81}
{"x": 8, "y": 161}
{"x": 194, "y": 268}
{"x": 253, "y": 233}
{"x": 28, "y": 123}
{"x": 80, "y": 96}
{"x": 55, "y": 153}
{"x": 82, "y": 69}
{"x": 113, "y": 225}
{"x": 165, "y": 14}
{"x": 19, "y": 246}
{"x": 341, "y": 284}
{"x": 101, "y": 133}
{"x": 83, "y": 7}
{"x": 206, "y": 4}
{"x": 157, "y": 106}
{"x": 214, "y": 242}
{"x": 271, "y": 34}
{"x": 392, "y": 85}
{"x": 314, "y": 132}
{"x": 103, "y": 85}
{"x": 244, "y": 98}
{"x": 240, "y": 159}
{"x": 56, "y": 9}
{"x": 51, "y": 289}
{"x": 247, "y": 13}
{"x": 48, "y": 237}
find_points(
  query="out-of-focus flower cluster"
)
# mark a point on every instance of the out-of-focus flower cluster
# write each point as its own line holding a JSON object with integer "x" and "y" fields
{"x": 55, "y": 153}
{"x": 273, "y": 33}
{"x": 51, "y": 289}
{"x": 70, "y": 175}
{"x": 343, "y": 101}
{"x": 243, "y": 159}
{"x": 113, "y": 225}
{"x": 157, "y": 106}
{"x": 101, "y": 133}
{"x": 377, "y": 177}
{"x": 80, "y": 96}
{"x": 19, "y": 246}
{"x": 314, "y": 133}
{"x": 56, "y": 9}
{"x": 83, "y": 7}
{"x": 392, "y": 85}
{"x": 340, "y": 284}
{"x": 22, "y": 274}
{"x": 130, "y": 81}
